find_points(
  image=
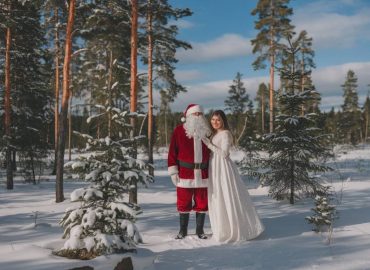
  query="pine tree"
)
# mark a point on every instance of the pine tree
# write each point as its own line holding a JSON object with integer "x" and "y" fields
{"x": 29, "y": 80}
{"x": 163, "y": 116}
{"x": 262, "y": 102}
{"x": 297, "y": 146}
{"x": 162, "y": 46}
{"x": 351, "y": 116}
{"x": 366, "y": 117}
{"x": 6, "y": 14}
{"x": 54, "y": 12}
{"x": 332, "y": 125}
{"x": 104, "y": 73}
{"x": 273, "y": 25}
{"x": 65, "y": 102}
{"x": 237, "y": 102}
{"x": 307, "y": 64}
{"x": 104, "y": 222}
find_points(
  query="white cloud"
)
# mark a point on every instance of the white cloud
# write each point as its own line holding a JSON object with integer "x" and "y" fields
{"x": 329, "y": 28}
{"x": 211, "y": 95}
{"x": 328, "y": 81}
{"x": 183, "y": 24}
{"x": 228, "y": 45}
{"x": 188, "y": 75}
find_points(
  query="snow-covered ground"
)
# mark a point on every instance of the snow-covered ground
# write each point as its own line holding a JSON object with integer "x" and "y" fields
{"x": 287, "y": 243}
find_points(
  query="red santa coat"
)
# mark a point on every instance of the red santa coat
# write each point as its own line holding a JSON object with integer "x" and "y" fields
{"x": 183, "y": 148}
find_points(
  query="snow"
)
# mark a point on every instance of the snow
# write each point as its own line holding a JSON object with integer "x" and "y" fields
{"x": 26, "y": 240}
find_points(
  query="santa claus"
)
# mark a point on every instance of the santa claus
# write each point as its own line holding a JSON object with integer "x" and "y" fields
{"x": 188, "y": 167}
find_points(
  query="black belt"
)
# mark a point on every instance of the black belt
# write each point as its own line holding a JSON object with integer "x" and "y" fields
{"x": 193, "y": 165}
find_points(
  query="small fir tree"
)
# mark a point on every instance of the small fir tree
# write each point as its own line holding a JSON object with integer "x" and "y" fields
{"x": 104, "y": 222}
{"x": 324, "y": 213}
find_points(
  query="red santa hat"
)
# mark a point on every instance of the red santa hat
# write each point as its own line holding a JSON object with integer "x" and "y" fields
{"x": 192, "y": 108}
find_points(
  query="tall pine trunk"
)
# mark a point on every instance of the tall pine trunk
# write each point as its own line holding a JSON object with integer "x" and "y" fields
{"x": 366, "y": 125}
{"x": 165, "y": 126}
{"x": 292, "y": 180}
{"x": 109, "y": 87}
{"x": 56, "y": 105}
{"x": 302, "y": 83}
{"x": 133, "y": 83}
{"x": 272, "y": 74}
{"x": 7, "y": 107}
{"x": 263, "y": 111}
{"x": 150, "y": 88}
{"x": 70, "y": 128}
{"x": 64, "y": 106}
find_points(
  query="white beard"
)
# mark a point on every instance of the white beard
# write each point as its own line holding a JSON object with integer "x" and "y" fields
{"x": 197, "y": 127}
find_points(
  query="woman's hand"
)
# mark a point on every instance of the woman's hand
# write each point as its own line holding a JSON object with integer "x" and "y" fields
{"x": 206, "y": 141}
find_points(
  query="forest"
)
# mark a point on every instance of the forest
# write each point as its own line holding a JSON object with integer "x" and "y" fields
{"x": 77, "y": 80}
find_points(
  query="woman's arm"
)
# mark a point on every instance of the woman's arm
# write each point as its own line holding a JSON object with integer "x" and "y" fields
{"x": 224, "y": 149}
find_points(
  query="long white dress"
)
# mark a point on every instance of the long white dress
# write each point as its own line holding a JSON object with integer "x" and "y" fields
{"x": 231, "y": 211}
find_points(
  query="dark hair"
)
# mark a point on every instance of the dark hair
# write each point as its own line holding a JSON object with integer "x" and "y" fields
{"x": 221, "y": 114}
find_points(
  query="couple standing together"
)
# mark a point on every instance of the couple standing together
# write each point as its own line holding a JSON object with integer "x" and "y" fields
{"x": 206, "y": 179}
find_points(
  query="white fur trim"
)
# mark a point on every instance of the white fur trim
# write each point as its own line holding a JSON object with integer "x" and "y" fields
{"x": 194, "y": 109}
{"x": 173, "y": 170}
{"x": 189, "y": 183}
{"x": 197, "y": 150}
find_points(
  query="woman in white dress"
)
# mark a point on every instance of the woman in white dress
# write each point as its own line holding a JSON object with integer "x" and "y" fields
{"x": 231, "y": 211}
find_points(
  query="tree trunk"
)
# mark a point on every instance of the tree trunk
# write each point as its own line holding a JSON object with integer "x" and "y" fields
{"x": 109, "y": 88}
{"x": 150, "y": 89}
{"x": 165, "y": 126}
{"x": 33, "y": 169}
{"x": 302, "y": 83}
{"x": 243, "y": 130}
{"x": 272, "y": 74}
{"x": 133, "y": 83}
{"x": 70, "y": 128}
{"x": 64, "y": 108}
{"x": 292, "y": 180}
{"x": 263, "y": 111}
{"x": 7, "y": 107}
{"x": 14, "y": 161}
{"x": 366, "y": 125}
{"x": 56, "y": 106}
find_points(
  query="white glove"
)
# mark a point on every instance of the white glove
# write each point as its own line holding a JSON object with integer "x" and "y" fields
{"x": 175, "y": 179}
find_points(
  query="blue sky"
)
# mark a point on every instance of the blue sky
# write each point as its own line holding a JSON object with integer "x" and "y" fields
{"x": 220, "y": 33}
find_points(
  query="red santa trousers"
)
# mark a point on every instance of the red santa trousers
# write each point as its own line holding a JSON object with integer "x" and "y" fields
{"x": 185, "y": 197}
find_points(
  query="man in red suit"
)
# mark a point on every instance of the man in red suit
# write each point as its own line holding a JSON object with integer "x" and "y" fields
{"x": 188, "y": 167}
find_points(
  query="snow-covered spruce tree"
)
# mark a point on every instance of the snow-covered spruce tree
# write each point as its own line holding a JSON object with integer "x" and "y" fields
{"x": 296, "y": 148}
{"x": 104, "y": 222}
{"x": 324, "y": 213}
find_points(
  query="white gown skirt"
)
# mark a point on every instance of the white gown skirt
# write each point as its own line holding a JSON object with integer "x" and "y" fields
{"x": 232, "y": 214}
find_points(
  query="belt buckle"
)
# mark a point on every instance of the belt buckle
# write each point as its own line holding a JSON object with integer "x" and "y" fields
{"x": 197, "y": 166}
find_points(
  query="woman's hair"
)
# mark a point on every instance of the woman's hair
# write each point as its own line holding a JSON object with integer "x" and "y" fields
{"x": 221, "y": 114}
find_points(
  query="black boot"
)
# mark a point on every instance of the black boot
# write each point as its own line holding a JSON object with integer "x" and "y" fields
{"x": 200, "y": 224}
{"x": 184, "y": 221}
